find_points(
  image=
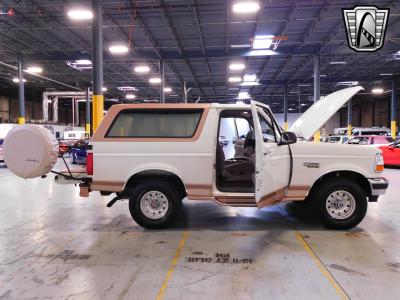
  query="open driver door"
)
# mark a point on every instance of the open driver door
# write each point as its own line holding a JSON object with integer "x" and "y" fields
{"x": 273, "y": 161}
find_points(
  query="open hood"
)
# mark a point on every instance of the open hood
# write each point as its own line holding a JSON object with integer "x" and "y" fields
{"x": 321, "y": 111}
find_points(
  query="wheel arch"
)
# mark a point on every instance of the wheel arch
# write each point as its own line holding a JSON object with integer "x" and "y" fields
{"x": 353, "y": 175}
{"x": 155, "y": 173}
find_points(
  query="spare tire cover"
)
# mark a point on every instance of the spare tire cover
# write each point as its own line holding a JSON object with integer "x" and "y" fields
{"x": 30, "y": 151}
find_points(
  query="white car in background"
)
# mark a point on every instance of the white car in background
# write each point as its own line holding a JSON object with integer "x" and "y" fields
{"x": 337, "y": 139}
{"x": 4, "y": 129}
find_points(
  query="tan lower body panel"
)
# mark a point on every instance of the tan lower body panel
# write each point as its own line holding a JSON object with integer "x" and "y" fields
{"x": 109, "y": 186}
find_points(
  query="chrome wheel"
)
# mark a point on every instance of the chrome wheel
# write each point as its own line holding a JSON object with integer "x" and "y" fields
{"x": 154, "y": 205}
{"x": 340, "y": 205}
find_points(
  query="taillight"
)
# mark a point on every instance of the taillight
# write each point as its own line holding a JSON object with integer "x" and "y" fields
{"x": 89, "y": 164}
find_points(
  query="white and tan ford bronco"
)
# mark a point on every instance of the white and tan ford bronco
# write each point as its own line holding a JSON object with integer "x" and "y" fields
{"x": 158, "y": 154}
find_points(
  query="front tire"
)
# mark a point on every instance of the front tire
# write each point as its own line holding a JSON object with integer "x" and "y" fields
{"x": 154, "y": 204}
{"x": 340, "y": 203}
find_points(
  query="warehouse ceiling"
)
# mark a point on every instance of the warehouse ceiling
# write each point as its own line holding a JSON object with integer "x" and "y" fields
{"x": 198, "y": 40}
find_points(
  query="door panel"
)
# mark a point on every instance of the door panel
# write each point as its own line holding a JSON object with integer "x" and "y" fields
{"x": 272, "y": 163}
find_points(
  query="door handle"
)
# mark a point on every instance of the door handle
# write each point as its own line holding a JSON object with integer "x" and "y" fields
{"x": 266, "y": 152}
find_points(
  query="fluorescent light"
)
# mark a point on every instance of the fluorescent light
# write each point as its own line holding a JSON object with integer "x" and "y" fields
{"x": 377, "y": 90}
{"x": 155, "y": 80}
{"x": 118, "y": 49}
{"x": 130, "y": 96}
{"x": 240, "y": 46}
{"x": 16, "y": 80}
{"x": 104, "y": 89}
{"x": 250, "y": 77}
{"x": 249, "y": 83}
{"x": 338, "y": 62}
{"x": 167, "y": 89}
{"x": 234, "y": 79}
{"x": 236, "y": 66}
{"x": 265, "y": 52}
{"x": 303, "y": 84}
{"x": 243, "y": 95}
{"x": 348, "y": 83}
{"x": 49, "y": 101}
{"x": 83, "y": 62}
{"x": 35, "y": 69}
{"x": 386, "y": 74}
{"x": 262, "y": 41}
{"x": 142, "y": 69}
{"x": 245, "y": 7}
{"x": 80, "y": 14}
{"x": 127, "y": 88}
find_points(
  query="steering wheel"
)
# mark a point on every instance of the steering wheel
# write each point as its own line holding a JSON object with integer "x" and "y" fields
{"x": 249, "y": 140}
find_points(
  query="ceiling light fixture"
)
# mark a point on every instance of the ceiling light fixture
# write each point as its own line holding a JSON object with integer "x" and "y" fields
{"x": 245, "y": 7}
{"x": 130, "y": 96}
{"x": 236, "y": 66}
{"x": 34, "y": 70}
{"x": 80, "y": 14}
{"x": 377, "y": 90}
{"x": 262, "y": 41}
{"x": 167, "y": 89}
{"x": 234, "y": 79}
{"x": 142, "y": 69}
{"x": 104, "y": 89}
{"x": 155, "y": 80}
{"x": 249, "y": 83}
{"x": 118, "y": 49}
{"x": 127, "y": 88}
{"x": 243, "y": 95}
{"x": 16, "y": 80}
{"x": 240, "y": 46}
{"x": 250, "y": 77}
{"x": 338, "y": 62}
{"x": 386, "y": 74}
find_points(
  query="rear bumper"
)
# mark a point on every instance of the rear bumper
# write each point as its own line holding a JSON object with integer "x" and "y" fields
{"x": 378, "y": 185}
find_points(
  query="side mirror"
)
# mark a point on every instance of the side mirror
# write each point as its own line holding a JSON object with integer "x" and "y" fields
{"x": 288, "y": 138}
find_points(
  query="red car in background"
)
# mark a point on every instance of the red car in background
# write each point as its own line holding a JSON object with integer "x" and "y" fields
{"x": 391, "y": 153}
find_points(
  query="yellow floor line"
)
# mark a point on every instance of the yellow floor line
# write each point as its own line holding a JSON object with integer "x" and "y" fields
{"x": 182, "y": 242}
{"x": 339, "y": 290}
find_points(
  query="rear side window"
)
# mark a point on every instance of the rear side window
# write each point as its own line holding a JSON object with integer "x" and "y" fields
{"x": 152, "y": 123}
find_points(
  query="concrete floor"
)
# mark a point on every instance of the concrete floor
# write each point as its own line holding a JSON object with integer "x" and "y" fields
{"x": 55, "y": 245}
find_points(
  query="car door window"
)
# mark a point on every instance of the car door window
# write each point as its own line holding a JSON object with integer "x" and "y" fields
{"x": 267, "y": 128}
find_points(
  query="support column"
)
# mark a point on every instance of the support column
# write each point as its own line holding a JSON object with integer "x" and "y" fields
{"x": 73, "y": 111}
{"x": 55, "y": 110}
{"x": 349, "y": 117}
{"x": 393, "y": 110}
{"x": 162, "y": 85}
{"x": 317, "y": 88}
{"x": 87, "y": 112}
{"x": 285, "y": 108}
{"x": 21, "y": 92}
{"x": 45, "y": 108}
{"x": 97, "y": 45}
{"x": 77, "y": 117}
{"x": 184, "y": 92}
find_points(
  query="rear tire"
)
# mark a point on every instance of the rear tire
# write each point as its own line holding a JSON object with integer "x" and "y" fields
{"x": 154, "y": 204}
{"x": 340, "y": 203}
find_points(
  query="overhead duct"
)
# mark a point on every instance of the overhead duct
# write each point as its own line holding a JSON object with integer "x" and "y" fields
{"x": 48, "y": 95}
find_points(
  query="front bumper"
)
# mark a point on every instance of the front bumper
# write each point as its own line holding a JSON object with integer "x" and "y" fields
{"x": 378, "y": 185}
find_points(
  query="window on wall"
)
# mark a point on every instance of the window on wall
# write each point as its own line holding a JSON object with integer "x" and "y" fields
{"x": 153, "y": 123}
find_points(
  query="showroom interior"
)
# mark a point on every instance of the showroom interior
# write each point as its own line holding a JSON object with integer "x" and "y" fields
{"x": 110, "y": 108}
